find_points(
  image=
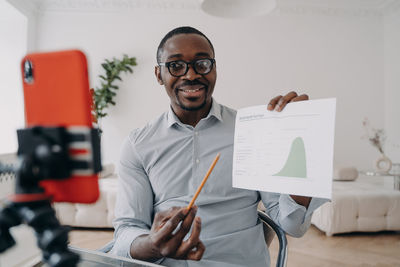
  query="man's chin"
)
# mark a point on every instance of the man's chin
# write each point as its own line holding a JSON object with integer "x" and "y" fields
{"x": 192, "y": 107}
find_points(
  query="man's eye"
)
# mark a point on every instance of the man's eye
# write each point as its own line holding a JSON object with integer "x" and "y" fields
{"x": 176, "y": 65}
{"x": 201, "y": 64}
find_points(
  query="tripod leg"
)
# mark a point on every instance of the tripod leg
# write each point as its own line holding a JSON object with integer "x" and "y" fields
{"x": 52, "y": 237}
{"x": 8, "y": 218}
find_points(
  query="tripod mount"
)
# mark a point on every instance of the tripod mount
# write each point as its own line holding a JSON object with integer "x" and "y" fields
{"x": 43, "y": 154}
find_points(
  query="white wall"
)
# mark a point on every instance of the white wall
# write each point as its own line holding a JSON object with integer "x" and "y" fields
{"x": 321, "y": 55}
{"x": 29, "y": 11}
{"x": 13, "y": 46}
{"x": 392, "y": 85}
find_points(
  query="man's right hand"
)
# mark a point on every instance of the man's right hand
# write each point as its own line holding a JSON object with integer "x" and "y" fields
{"x": 166, "y": 238}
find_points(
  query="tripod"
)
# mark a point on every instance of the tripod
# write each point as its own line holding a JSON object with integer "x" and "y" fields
{"x": 42, "y": 153}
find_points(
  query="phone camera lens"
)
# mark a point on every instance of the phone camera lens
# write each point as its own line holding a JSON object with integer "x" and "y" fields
{"x": 28, "y": 72}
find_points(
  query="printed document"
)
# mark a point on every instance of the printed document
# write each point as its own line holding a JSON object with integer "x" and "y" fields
{"x": 288, "y": 152}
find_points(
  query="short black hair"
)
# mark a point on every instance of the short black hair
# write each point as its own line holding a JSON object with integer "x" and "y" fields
{"x": 176, "y": 31}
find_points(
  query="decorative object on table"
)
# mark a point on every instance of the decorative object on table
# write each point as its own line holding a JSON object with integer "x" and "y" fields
{"x": 104, "y": 95}
{"x": 377, "y": 138}
{"x": 383, "y": 164}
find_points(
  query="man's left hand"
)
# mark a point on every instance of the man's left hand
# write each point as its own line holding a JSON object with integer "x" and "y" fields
{"x": 279, "y": 102}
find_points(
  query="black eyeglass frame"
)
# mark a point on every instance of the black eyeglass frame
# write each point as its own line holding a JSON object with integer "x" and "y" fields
{"x": 167, "y": 64}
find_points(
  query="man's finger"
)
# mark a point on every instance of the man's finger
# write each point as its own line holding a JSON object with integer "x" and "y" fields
{"x": 300, "y": 98}
{"x": 186, "y": 224}
{"x": 284, "y": 100}
{"x": 192, "y": 241}
{"x": 169, "y": 246}
{"x": 197, "y": 253}
{"x": 161, "y": 217}
{"x": 196, "y": 229}
{"x": 170, "y": 225}
{"x": 273, "y": 102}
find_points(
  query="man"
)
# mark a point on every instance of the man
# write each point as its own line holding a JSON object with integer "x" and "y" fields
{"x": 163, "y": 163}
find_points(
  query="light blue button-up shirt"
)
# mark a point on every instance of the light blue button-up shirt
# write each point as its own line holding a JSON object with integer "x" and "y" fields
{"x": 162, "y": 165}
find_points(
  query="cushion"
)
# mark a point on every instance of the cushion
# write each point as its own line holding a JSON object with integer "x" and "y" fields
{"x": 345, "y": 173}
{"x": 99, "y": 214}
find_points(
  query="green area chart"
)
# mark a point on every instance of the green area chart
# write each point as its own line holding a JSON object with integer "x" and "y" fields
{"x": 295, "y": 165}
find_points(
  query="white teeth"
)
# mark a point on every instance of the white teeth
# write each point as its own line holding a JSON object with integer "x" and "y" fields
{"x": 191, "y": 91}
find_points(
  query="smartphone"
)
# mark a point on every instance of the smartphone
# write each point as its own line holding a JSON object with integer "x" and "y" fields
{"x": 57, "y": 94}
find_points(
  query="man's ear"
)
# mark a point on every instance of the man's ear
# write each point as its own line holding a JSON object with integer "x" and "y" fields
{"x": 157, "y": 72}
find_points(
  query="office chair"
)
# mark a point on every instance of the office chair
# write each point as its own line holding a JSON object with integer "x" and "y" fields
{"x": 270, "y": 227}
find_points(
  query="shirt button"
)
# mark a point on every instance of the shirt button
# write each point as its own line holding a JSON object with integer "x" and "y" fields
{"x": 197, "y": 161}
{"x": 196, "y": 133}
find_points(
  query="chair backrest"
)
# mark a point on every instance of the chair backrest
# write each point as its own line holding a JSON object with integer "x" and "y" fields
{"x": 269, "y": 228}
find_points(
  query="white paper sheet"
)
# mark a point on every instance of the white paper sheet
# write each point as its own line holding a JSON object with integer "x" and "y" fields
{"x": 287, "y": 152}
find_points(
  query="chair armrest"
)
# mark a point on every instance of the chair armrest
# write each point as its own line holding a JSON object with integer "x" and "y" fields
{"x": 282, "y": 255}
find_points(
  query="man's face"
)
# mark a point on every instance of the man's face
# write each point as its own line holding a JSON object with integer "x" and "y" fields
{"x": 192, "y": 91}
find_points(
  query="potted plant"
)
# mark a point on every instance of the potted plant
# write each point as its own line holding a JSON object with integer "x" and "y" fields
{"x": 103, "y": 96}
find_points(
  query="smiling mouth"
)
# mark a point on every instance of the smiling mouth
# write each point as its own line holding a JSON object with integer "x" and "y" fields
{"x": 189, "y": 96}
{"x": 191, "y": 90}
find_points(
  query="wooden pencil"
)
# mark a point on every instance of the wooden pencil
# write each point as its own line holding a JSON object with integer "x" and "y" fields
{"x": 203, "y": 182}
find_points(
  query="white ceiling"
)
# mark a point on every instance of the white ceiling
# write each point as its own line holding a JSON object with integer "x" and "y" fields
{"x": 8, "y": 13}
{"x": 355, "y": 7}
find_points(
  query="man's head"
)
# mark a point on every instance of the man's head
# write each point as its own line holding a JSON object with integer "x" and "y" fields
{"x": 189, "y": 86}
{"x": 176, "y": 31}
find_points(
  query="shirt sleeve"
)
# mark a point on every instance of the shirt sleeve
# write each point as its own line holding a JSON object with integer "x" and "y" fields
{"x": 293, "y": 218}
{"x": 134, "y": 203}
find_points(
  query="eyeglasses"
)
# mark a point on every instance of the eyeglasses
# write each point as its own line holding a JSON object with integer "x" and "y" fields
{"x": 179, "y": 68}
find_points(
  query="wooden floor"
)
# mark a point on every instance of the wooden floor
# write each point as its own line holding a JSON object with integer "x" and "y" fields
{"x": 313, "y": 249}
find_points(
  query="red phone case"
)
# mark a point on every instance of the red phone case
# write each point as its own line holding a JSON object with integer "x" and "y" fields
{"x": 59, "y": 96}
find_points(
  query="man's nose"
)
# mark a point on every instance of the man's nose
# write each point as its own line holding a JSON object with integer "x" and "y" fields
{"x": 191, "y": 73}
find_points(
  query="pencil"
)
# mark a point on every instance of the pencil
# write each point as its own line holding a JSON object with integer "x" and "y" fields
{"x": 203, "y": 182}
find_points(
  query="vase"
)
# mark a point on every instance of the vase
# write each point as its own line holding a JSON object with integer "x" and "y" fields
{"x": 383, "y": 164}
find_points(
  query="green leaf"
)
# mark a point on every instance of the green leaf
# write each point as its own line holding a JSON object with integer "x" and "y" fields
{"x": 103, "y": 97}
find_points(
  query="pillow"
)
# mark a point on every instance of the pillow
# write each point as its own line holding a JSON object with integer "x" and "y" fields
{"x": 345, "y": 173}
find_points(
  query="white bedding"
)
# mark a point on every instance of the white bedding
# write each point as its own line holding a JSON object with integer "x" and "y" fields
{"x": 368, "y": 204}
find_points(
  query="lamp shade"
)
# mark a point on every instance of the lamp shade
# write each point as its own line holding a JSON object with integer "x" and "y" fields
{"x": 237, "y": 8}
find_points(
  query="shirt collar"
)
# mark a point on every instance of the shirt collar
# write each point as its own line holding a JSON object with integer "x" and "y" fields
{"x": 215, "y": 111}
